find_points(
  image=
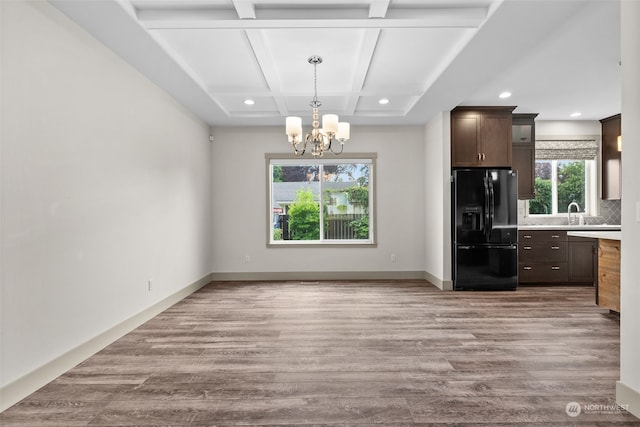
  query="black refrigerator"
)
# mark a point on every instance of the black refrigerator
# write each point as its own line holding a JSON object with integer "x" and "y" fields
{"x": 485, "y": 229}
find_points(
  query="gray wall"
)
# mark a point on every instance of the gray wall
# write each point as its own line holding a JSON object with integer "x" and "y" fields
{"x": 240, "y": 216}
{"x": 105, "y": 185}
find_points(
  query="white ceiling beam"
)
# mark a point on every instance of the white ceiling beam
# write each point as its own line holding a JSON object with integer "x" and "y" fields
{"x": 378, "y": 8}
{"x": 362, "y": 64}
{"x": 245, "y": 9}
{"x": 267, "y": 64}
{"x": 432, "y": 18}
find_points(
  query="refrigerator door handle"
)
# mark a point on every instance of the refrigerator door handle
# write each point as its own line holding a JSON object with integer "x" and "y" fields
{"x": 486, "y": 227}
{"x": 492, "y": 206}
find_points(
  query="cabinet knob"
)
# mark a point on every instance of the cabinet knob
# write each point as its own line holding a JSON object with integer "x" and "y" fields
{"x": 555, "y": 248}
{"x": 483, "y": 156}
{"x": 555, "y": 267}
{"x": 527, "y": 267}
{"x": 555, "y": 236}
{"x": 526, "y": 236}
{"x": 526, "y": 248}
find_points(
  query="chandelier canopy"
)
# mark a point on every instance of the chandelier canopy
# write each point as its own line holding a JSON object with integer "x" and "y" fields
{"x": 320, "y": 139}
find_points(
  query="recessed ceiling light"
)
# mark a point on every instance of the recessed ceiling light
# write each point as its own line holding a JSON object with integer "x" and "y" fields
{"x": 576, "y": 114}
{"x": 383, "y": 101}
{"x": 249, "y": 102}
{"x": 505, "y": 95}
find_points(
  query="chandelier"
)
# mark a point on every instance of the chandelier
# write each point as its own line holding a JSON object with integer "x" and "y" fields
{"x": 320, "y": 139}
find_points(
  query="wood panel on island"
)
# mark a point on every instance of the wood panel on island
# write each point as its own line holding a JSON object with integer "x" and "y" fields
{"x": 608, "y": 286}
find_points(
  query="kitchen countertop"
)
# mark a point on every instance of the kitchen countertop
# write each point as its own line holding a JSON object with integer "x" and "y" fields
{"x": 610, "y": 235}
{"x": 596, "y": 227}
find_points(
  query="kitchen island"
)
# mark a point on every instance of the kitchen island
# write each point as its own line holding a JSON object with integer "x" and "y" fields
{"x": 608, "y": 279}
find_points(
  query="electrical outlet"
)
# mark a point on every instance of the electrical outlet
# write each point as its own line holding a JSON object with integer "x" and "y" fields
{"x": 247, "y": 258}
{"x": 149, "y": 285}
{"x": 393, "y": 258}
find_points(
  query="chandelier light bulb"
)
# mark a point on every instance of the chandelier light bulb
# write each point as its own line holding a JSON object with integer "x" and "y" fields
{"x": 344, "y": 131}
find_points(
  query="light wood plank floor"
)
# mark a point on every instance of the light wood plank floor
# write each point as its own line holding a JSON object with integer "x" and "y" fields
{"x": 393, "y": 353}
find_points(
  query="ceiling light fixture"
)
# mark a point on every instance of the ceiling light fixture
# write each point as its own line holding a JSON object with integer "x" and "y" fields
{"x": 505, "y": 95}
{"x": 383, "y": 101}
{"x": 576, "y": 114}
{"x": 249, "y": 102}
{"x": 319, "y": 138}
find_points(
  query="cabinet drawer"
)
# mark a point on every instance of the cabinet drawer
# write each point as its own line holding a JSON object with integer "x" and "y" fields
{"x": 542, "y": 251}
{"x": 542, "y": 235}
{"x": 533, "y": 272}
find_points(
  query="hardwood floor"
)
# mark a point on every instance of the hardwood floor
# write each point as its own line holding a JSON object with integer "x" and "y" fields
{"x": 348, "y": 353}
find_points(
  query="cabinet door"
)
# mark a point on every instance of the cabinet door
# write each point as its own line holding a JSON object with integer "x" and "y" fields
{"x": 524, "y": 163}
{"x": 611, "y": 158}
{"x": 465, "y": 130}
{"x": 582, "y": 260}
{"x": 495, "y": 140}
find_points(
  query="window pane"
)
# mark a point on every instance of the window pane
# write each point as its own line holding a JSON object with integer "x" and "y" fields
{"x": 542, "y": 204}
{"x": 346, "y": 201}
{"x": 295, "y": 202}
{"x": 571, "y": 185}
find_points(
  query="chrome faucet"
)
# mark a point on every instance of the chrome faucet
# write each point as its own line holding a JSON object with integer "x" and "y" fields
{"x": 569, "y": 210}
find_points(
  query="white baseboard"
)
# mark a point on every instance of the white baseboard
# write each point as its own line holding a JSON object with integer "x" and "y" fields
{"x": 13, "y": 392}
{"x": 319, "y": 275}
{"x": 445, "y": 285}
{"x": 628, "y": 397}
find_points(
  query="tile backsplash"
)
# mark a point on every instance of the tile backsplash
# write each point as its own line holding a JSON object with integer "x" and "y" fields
{"x": 609, "y": 214}
{"x": 611, "y": 211}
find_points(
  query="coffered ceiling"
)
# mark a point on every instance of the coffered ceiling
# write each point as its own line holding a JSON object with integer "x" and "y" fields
{"x": 555, "y": 56}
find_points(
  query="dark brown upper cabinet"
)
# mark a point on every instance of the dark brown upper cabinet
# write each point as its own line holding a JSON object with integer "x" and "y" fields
{"x": 481, "y": 137}
{"x": 523, "y": 138}
{"x": 611, "y": 158}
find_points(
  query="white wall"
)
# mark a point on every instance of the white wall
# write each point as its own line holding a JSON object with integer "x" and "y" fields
{"x": 437, "y": 164}
{"x": 239, "y": 193}
{"x": 628, "y": 390}
{"x": 568, "y": 127}
{"x": 106, "y": 183}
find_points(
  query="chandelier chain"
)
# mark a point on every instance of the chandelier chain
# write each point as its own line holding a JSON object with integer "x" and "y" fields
{"x": 315, "y": 103}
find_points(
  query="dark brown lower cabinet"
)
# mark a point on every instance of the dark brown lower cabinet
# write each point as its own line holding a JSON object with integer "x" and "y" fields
{"x": 583, "y": 260}
{"x": 552, "y": 257}
{"x": 542, "y": 256}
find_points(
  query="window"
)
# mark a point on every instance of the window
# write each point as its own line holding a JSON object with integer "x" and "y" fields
{"x": 565, "y": 173}
{"x": 321, "y": 201}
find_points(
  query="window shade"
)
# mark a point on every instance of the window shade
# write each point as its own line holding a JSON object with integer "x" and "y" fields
{"x": 560, "y": 149}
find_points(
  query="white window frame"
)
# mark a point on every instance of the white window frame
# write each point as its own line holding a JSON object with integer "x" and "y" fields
{"x": 279, "y": 159}
{"x": 591, "y": 190}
